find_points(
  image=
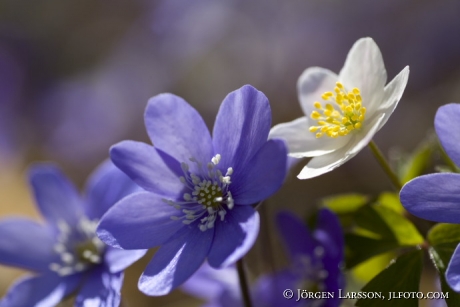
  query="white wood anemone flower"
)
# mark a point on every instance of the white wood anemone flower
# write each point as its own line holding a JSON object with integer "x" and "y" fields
{"x": 342, "y": 112}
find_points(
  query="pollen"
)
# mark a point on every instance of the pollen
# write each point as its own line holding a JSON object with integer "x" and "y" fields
{"x": 341, "y": 112}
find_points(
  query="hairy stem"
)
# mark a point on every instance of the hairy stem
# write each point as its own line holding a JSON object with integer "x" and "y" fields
{"x": 243, "y": 283}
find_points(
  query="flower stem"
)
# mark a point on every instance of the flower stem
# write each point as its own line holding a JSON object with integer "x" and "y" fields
{"x": 243, "y": 283}
{"x": 384, "y": 164}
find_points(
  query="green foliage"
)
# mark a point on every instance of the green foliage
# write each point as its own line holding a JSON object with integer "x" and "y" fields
{"x": 402, "y": 275}
{"x": 378, "y": 229}
{"x": 415, "y": 163}
{"x": 444, "y": 238}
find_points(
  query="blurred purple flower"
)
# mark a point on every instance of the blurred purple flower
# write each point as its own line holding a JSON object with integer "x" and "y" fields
{"x": 190, "y": 207}
{"x": 314, "y": 266}
{"x": 65, "y": 252}
{"x": 436, "y": 197}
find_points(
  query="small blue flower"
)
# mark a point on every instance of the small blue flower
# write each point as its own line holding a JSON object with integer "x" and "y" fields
{"x": 436, "y": 197}
{"x": 314, "y": 266}
{"x": 65, "y": 252}
{"x": 199, "y": 190}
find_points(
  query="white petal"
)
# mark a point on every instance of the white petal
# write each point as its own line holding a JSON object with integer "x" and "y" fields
{"x": 303, "y": 143}
{"x": 312, "y": 83}
{"x": 365, "y": 70}
{"x": 365, "y": 136}
{"x": 393, "y": 93}
{"x": 325, "y": 163}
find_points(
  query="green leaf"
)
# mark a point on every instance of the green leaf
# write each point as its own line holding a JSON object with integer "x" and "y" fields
{"x": 378, "y": 229}
{"x": 402, "y": 275}
{"x": 444, "y": 233}
{"x": 440, "y": 255}
{"x": 345, "y": 203}
{"x": 360, "y": 248}
{"x": 388, "y": 224}
{"x": 416, "y": 162}
{"x": 390, "y": 200}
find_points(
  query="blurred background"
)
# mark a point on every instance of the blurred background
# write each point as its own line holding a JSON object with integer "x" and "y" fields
{"x": 75, "y": 77}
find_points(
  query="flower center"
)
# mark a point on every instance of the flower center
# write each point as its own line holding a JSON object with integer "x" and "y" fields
{"x": 208, "y": 195}
{"x": 77, "y": 248}
{"x": 342, "y": 113}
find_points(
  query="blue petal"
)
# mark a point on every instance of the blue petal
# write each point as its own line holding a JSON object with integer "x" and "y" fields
{"x": 447, "y": 125}
{"x": 329, "y": 233}
{"x": 176, "y": 261}
{"x": 453, "y": 270}
{"x": 26, "y": 244}
{"x": 209, "y": 283}
{"x": 118, "y": 259}
{"x": 101, "y": 288}
{"x": 56, "y": 196}
{"x": 291, "y": 228}
{"x": 139, "y": 221}
{"x": 262, "y": 176}
{"x": 40, "y": 291}
{"x": 234, "y": 236}
{"x": 149, "y": 168}
{"x": 434, "y": 197}
{"x": 105, "y": 187}
{"x": 241, "y": 128}
{"x": 176, "y": 128}
{"x": 269, "y": 288}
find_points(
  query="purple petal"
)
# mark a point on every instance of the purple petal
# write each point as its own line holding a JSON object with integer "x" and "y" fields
{"x": 291, "y": 228}
{"x": 40, "y": 291}
{"x": 447, "y": 125}
{"x": 101, "y": 288}
{"x": 26, "y": 244}
{"x": 56, "y": 196}
{"x": 262, "y": 176}
{"x": 176, "y": 261}
{"x": 118, "y": 259}
{"x": 209, "y": 283}
{"x": 241, "y": 127}
{"x": 434, "y": 197}
{"x": 139, "y": 221}
{"x": 176, "y": 128}
{"x": 106, "y": 186}
{"x": 453, "y": 270}
{"x": 269, "y": 288}
{"x": 234, "y": 236}
{"x": 329, "y": 233}
{"x": 151, "y": 169}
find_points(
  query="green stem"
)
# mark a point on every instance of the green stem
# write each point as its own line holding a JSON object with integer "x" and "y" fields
{"x": 384, "y": 164}
{"x": 243, "y": 283}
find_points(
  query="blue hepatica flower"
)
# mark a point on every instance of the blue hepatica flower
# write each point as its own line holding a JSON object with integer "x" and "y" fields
{"x": 314, "y": 267}
{"x": 436, "y": 197}
{"x": 65, "y": 252}
{"x": 198, "y": 190}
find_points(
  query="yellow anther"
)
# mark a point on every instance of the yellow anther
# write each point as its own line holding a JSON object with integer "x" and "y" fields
{"x": 315, "y": 115}
{"x": 334, "y": 122}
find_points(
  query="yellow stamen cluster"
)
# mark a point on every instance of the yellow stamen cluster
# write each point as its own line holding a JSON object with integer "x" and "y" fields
{"x": 338, "y": 122}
